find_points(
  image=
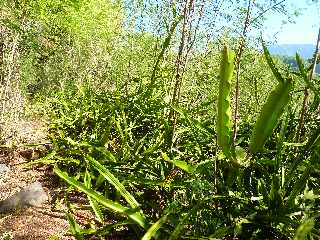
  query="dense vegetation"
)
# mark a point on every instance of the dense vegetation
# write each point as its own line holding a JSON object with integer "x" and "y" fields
{"x": 144, "y": 123}
{"x": 292, "y": 62}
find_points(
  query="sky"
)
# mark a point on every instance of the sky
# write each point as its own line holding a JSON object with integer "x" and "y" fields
{"x": 304, "y": 31}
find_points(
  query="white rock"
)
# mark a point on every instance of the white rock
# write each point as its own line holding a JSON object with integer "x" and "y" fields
{"x": 4, "y": 169}
{"x": 4, "y": 173}
{"x": 33, "y": 195}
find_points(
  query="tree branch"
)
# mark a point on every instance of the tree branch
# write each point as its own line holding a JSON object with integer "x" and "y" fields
{"x": 238, "y": 68}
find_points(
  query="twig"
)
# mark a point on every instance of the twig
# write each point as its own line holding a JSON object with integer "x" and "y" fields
{"x": 1, "y": 56}
{"x": 165, "y": 45}
{"x": 266, "y": 10}
{"x": 238, "y": 68}
{"x": 181, "y": 61}
{"x": 25, "y": 145}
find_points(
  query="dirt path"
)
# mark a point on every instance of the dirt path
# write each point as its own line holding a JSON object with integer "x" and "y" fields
{"x": 35, "y": 222}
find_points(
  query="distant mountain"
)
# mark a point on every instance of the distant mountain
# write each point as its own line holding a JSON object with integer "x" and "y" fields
{"x": 288, "y": 51}
{"x": 305, "y": 50}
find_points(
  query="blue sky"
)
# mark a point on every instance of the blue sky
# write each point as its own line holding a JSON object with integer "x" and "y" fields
{"x": 304, "y": 31}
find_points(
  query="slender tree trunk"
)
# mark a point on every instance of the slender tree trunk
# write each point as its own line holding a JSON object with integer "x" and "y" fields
{"x": 181, "y": 61}
{"x": 1, "y": 56}
{"x": 306, "y": 92}
{"x": 238, "y": 69}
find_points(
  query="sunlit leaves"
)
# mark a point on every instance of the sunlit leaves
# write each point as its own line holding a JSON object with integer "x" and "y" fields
{"x": 224, "y": 124}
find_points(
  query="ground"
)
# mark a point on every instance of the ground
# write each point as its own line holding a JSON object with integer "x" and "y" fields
{"x": 37, "y": 222}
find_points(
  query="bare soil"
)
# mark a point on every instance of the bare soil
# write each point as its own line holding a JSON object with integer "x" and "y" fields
{"x": 31, "y": 223}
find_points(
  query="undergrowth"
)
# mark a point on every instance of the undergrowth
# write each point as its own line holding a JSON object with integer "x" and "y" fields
{"x": 114, "y": 144}
{"x": 141, "y": 118}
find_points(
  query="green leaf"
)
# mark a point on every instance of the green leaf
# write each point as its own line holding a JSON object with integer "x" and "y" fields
{"x": 152, "y": 231}
{"x": 240, "y": 154}
{"x": 194, "y": 123}
{"x": 272, "y": 109}
{"x": 299, "y": 185}
{"x": 314, "y": 139}
{"x": 179, "y": 227}
{"x": 74, "y": 227}
{"x": 264, "y": 191}
{"x": 114, "y": 206}
{"x": 180, "y": 164}
{"x": 304, "y": 229}
{"x": 271, "y": 64}
{"x": 221, "y": 232}
{"x": 114, "y": 181}
{"x": 302, "y": 70}
{"x": 295, "y": 144}
{"x": 94, "y": 205}
{"x": 275, "y": 196}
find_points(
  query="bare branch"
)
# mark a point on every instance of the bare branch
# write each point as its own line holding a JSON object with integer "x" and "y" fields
{"x": 267, "y": 10}
{"x": 238, "y": 68}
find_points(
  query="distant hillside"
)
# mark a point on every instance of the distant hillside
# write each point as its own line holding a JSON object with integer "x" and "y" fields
{"x": 288, "y": 52}
{"x": 305, "y": 50}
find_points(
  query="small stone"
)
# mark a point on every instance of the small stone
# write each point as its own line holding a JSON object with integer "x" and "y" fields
{"x": 33, "y": 195}
{"x": 4, "y": 173}
{"x": 4, "y": 169}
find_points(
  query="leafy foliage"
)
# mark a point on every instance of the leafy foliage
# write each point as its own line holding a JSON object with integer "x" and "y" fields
{"x": 273, "y": 108}
{"x": 104, "y": 83}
